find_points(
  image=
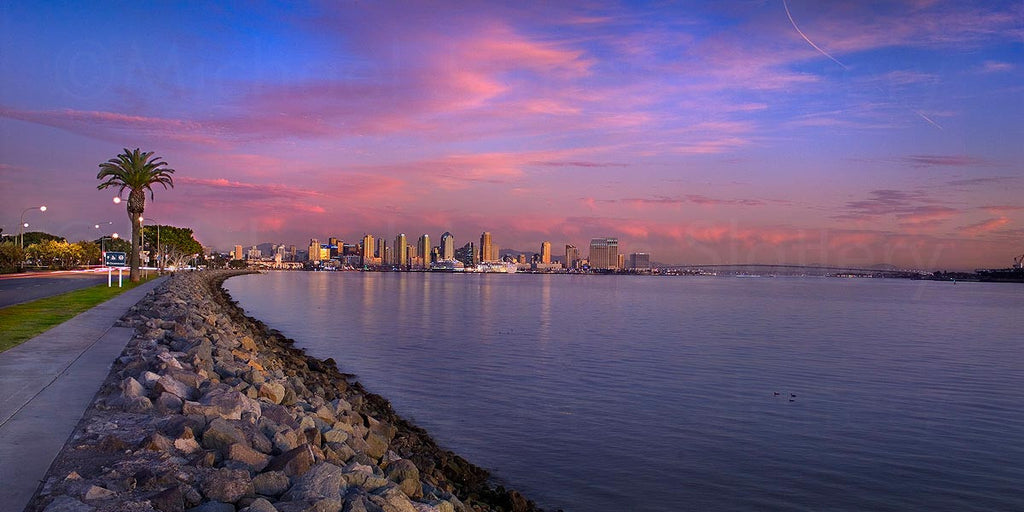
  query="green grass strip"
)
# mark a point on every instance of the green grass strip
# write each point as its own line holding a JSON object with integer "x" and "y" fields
{"x": 22, "y": 322}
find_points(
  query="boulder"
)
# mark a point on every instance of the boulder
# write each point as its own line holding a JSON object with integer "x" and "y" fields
{"x": 220, "y": 434}
{"x": 272, "y": 392}
{"x": 294, "y": 462}
{"x": 242, "y": 452}
{"x": 323, "y": 480}
{"x": 227, "y": 485}
{"x": 404, "y": 473}
{"x": 271, "y": 483}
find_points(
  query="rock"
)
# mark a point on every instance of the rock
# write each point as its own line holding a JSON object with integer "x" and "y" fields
{"x": 220, "y": 434}
{"x": 167, "y": 384}
{"x": 294, "y": 462}
{"x": 272, "y": 392}
{"x": 260, "y": 505}
{"x": 186, "y": 442}
{"x": 227, "y": 485}
{"x": 271, "y": 483}
{"x": 131, "y": 388}
{"x": 376, "y": 445}
{"x": 157, "y": 443}
{"x": 243, "y": 453}
{"x": 323, "y": 480}
{"x": 391, "y": 499}
{"x": 67, "y": 504}
{"x": 335, "y": 436}
{"x": 168, "y": 403}
{"x": 404, "y": 473}
{"x": 213, "y": 506}
{"x": 95, "y": 492}
{"x": 169, "y": 500}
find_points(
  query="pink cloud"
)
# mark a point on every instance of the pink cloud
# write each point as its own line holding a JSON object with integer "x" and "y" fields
{"x": 985, "y": 226}
{"x": 116, "y": 126}
{"x": 945, "y": 161}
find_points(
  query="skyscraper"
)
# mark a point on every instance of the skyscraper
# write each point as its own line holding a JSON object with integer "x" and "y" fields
{"x": 545, "y": 252}
{"x": 314, "y": 250}
{"x": 423, "y": 250}
{"x": 572, "y": 256}
{"x": 239, "y": 255}
{"x": 447, "y": 246}
{"x": 401, "y": 253}
{"x": 367, "y": 252}
{"x": 604, "y": 253}
{"x": 640, "y": 261}
{"x": 485, "y": 247}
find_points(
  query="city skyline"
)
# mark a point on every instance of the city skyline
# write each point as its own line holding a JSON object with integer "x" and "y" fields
{"x": 757, "y": 132}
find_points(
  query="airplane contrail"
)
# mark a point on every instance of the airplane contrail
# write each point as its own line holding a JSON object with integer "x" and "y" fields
{"x": 926, "y": 118}
{"x": 816, "y": 47}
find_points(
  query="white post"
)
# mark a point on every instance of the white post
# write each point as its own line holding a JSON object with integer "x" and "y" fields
{"x": 110, "y": 276}
{"x": 119, "y": 272}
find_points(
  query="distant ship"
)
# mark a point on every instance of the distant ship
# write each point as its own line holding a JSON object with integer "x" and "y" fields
{"x": 494, "y": 267}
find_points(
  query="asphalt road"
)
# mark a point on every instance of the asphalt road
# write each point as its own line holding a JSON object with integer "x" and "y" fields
{"x": 15, "y": 290}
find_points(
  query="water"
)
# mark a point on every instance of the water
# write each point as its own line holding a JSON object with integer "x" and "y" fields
{"x": 612, "y": 393}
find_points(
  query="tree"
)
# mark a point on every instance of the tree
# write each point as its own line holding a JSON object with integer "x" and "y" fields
{"x": 90, "y": 252}
{"x": 55, "y": 254}
{"x": 11, "y": 255}
{"x": 35, "y": 237}
{"x": 136, "y": 171}
{"x": 177, "y": 244}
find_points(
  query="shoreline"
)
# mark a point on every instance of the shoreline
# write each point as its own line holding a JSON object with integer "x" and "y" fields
{"x": 208, "y": 409}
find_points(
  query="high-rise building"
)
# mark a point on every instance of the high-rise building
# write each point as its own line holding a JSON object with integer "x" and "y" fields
{"x": 314, "y": 250}
{"x": 334, "y": 245}
{"x": 238, "y": 255}
{"x": 640, "y": 261}
{"x": 485, "y": 247}
{"x": 572, "y": 256}
{"x": 604, "y": 253}
{"x": 366, "y": 255}
{"x": 447, "y": 246}
{"x": 545, "y": 252}
{"x": 401, "y": 250}
{"x": 467, "y": 255}
{"x": 254, "y": 253}
{"x": 423, "y": 250}
{"x": 292, "y": 253}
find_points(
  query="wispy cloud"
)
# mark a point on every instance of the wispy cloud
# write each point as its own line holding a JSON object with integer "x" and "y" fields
{"x": 946, "y": 161}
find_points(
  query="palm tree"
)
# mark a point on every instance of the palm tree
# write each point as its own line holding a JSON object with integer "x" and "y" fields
{"x": 137, "y": 172}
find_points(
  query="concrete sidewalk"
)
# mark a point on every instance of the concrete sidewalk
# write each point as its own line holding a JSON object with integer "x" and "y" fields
{"x": 47, "y": 383}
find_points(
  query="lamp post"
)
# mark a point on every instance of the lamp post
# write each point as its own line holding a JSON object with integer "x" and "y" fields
{"x": 159, "y": 260}
{"x": 22, "y": 225}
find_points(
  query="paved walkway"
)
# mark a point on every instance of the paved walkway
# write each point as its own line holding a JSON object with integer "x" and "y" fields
{"x": 47, "y": 383}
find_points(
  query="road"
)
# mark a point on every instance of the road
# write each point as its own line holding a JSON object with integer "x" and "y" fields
{"x": 18, "y": 289}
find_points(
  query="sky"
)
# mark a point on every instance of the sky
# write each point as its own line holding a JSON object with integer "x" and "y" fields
{"x": 776, "y": 132}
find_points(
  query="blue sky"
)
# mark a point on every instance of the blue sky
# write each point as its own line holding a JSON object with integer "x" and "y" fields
{"x": 853, "y": 133}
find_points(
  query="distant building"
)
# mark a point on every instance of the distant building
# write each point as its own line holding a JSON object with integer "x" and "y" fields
{"x": 545, "y": 252}
{"x": 485, "y": 247}
{"x": 447, "y": 246}
{"x": 423, "y": 250}
{"x": 314, "y": 250}
{"x": 604, "y": 253}
{"x": 334, "y": 245}
{"x": 401, "y": 250}
{"x": 254, "y": 253}
{"x": 572, "y": 256}
{"x": 639, "y": 261}
{"x": 467, "y": 255}
{"x": 238, "y": 254}
{"x": 367, "y": 251}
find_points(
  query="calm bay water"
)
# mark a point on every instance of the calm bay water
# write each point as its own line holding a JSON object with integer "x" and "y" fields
{"x": 612, "y": 393}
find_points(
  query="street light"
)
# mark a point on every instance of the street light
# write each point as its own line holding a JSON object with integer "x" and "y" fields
{"x": 159, "y": 260}
{"x": 22, "y": 224}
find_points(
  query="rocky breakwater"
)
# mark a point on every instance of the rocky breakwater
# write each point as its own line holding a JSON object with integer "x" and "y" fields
{"x": 208, "y": 410}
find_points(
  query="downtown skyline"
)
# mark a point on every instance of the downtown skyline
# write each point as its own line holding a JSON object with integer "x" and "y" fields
{"x": 746, "y": 132}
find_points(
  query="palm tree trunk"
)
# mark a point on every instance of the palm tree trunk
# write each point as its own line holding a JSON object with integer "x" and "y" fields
{"x": 136, "y": 205}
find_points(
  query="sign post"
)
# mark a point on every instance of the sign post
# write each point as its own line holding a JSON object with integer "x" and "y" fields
{"x": 114, "y": 259}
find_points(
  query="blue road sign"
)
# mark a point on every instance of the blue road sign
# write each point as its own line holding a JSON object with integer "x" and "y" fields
{"x": 115, "y": 259}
